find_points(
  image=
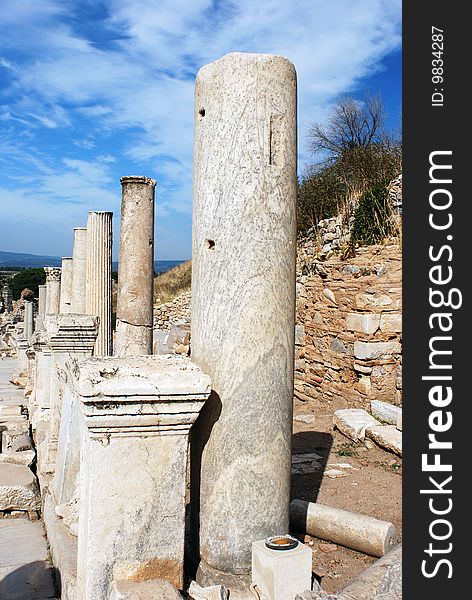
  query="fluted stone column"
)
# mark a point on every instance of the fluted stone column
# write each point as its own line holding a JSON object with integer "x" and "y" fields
{"x": 66, "y": 285}
{"x": 243, "y": 304}
{"x": 41, "y": 299}
{"x": 28, "y": 321}
{"x": 98, "y": 297}
{"x": 79, "y": 269}
{"x": 135, "y": 268}
{"x": 53, "y": 290}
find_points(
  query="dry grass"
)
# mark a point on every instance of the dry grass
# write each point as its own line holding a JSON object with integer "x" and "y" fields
{"x": 171, "y": 284}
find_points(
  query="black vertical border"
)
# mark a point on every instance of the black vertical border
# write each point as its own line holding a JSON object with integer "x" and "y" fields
{"x": 427, "y": 129}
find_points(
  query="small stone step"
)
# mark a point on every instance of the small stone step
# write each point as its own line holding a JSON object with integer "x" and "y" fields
{"x": 18, "y": 488}
{"x": 387, "y": 436}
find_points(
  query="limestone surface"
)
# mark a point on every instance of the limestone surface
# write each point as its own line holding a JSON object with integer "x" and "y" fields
{"x": 79, "y": 270}
{"x": 152, "y": 589}
{"x": 134, "y": 309}
{"x": 352, "y": 422}
{"x": 243, "y": 274}
{"x": 383, "y": 411}
{"x": 66, "y": 285}
{"x": 387, "y": 436}
{"x": 18, "y": 488}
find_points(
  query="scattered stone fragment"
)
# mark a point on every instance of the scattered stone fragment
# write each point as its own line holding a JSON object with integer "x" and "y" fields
{"x": 387, "y": 436}
{"x": 383, "y": 411}
{"x": 305, "y": 418}
{"x": 335, "y": 473}
{"x": 341, "y": 466}
{"x": 352, "y": 422}
{"x": 326, "y": 548}
{"x": 24, "y": 457}
{"x": 212, "y": 592}
{"x": 329, "y": 294}
{"x": 369, "y": 444}
{"x": 305, "y": 463}
{"x": 152, "y": 589}
{"x": 18, "y": 488}
{"x": 21, "y": 443}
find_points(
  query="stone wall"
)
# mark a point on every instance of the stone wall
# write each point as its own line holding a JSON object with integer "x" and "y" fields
{"x": 171, "y": 313}
{"x": 348, "y": 332}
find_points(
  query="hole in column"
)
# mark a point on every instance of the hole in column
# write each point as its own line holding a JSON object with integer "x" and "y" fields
{"x": 201, "y": 112}
{"x": 210, "y": 244}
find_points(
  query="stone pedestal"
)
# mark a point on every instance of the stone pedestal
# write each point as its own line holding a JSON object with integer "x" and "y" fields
{"x": 68, "y": 336}
{"x": 98, "y": 297}
{"x": 79, "y": 270}
{"x": 135, "y": 300}
{"x": 53, "y": 290}
{"x": 134, "y": 415}
{"x": 243, "y": 303}
{"x": 66, "y": 285}
{"x": 29, "y": 320}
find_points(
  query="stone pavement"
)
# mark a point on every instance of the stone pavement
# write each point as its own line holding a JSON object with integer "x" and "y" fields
{"x": 25, "y": 573}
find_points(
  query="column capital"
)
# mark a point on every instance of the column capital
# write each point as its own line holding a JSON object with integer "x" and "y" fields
{"x": 53, "y": 273}
{"x": 138, "y": 179}
{"x": 139, "y": 396}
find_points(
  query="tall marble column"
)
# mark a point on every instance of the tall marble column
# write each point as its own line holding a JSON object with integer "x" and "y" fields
{"x": 135, "y": 300}
{"x": 79, "y": 267}
{"x": 98, "y": 297}
{"x": 28, "y": 321}
{"x": 53, "y": 290}
{"x": 7, "y": 298}
{"x": 66, "y": 285}
{"x": 243, "y": 304}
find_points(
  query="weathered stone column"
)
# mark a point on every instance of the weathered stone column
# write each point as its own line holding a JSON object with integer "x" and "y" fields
{"x": 68, "y": 336}
{"x": 243, "y": 303}
{"x": 41, "y": 299}
{"x": 135, "y": 268}
{"x": 7, "y": 298}
{"x": 135, "y": 415}
{"x": 28, "y": 320}
{"x": 53, "y": 290}
{"x": 66, "y": 285}
{"x": 79, "y": 270}
{"x": 98, "y": 297}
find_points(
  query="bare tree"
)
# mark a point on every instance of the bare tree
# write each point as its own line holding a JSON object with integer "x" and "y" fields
{"x": 353, "y": 124}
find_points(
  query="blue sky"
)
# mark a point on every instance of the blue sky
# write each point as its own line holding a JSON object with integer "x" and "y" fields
{"x": 91, "y": 90}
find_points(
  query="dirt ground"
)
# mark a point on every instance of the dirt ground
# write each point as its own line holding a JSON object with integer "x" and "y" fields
{"x": 373, "y": 486}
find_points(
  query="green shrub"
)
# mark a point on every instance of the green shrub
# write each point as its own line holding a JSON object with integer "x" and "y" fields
{"x": 372, "y": 218}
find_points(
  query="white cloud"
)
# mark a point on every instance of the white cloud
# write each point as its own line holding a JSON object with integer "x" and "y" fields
{"x": 137, "y": 79}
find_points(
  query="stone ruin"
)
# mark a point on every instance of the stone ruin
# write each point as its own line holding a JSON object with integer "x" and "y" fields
{"x": 157, "y": 469}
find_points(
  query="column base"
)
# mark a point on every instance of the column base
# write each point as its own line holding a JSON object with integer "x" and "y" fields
{"x": 238, "y": 585}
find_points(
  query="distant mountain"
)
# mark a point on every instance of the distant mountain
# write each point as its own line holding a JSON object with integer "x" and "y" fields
{"x": 27, "y": 261}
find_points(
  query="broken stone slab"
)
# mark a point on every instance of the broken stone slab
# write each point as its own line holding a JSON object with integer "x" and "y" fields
{"x": 349, "y": 529}
{"x": 23, "y": 457}
{"x": 11, "y": 410}
{"x": 18, "y": 488}
{"x": 399, "y": 422}
{"x": 152, "y": 589}
{"x": 387, "y": 436}
{"x": 380, "y": 581}
{"x": 383, "y": 411}
{"x": 21, "y": 443}
{"x": 303, "y": 464}
{"x": 212, "y": 592}
{"x": 10, "y": 435}
{"x": 352, "y": 422}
